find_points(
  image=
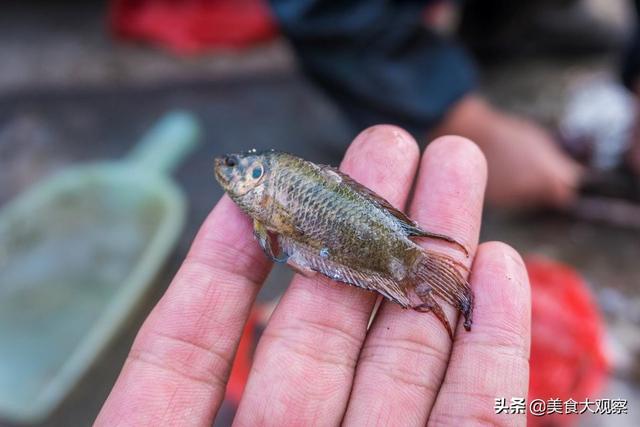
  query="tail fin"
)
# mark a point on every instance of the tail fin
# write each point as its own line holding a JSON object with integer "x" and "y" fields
{"x": 440, "y": 275}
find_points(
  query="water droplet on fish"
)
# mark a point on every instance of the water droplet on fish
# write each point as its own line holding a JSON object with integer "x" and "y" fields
{"x": 324, "y": 252}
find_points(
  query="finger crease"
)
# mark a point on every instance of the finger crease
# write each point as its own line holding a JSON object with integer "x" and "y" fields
{"x": 213, "y": 379}
{"x": 317, "y": 350}
{"x": 230, "y": 260}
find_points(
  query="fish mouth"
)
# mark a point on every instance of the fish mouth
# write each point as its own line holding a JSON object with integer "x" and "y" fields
{"x": 218, "y": 166}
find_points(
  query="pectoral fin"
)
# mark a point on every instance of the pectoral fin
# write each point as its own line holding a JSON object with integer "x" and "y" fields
{"x": 264, "y": 239}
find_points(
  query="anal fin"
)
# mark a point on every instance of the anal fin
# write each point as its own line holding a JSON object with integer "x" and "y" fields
{"x": 307, "y": 258}
{"x": 301, "y": 269}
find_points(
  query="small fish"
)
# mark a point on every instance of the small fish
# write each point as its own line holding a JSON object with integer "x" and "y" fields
{"x": 318, "y": 219}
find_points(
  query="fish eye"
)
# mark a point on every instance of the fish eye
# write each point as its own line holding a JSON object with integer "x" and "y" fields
{"x": 256, "y": 173}
{"x": 230, "y": 161}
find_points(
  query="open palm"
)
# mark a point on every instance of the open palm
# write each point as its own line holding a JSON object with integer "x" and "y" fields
{"x": 317, "y": 363}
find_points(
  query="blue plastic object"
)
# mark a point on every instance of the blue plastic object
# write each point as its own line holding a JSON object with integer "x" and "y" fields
{"x": 77, "y": 253}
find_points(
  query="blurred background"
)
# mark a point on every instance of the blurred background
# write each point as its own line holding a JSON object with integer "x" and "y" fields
{"x": 83, "y": 82}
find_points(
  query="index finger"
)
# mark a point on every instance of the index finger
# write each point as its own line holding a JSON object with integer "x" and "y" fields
{"x": 177, "y": 370}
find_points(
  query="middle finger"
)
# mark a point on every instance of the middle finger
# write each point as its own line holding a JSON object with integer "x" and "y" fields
{"x": 405, "y": 356}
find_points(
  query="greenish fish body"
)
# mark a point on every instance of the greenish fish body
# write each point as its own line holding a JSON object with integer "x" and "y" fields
{"x": 318, "y": 219}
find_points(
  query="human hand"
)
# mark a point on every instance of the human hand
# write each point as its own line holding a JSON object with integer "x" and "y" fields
{"x": 526, "y": 167}
{"x": 316, "y": 363}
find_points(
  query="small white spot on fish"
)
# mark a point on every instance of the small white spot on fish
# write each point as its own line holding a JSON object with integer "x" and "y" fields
{"x": 332, "y": 176}
{"x": 324, "y": 252}
{"x": 397, "y": 269}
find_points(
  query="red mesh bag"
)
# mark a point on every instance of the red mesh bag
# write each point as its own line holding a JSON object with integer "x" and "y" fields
{"x": 567, "y": 343}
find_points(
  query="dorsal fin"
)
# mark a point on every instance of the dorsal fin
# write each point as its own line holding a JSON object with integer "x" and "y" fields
{"x": 407, "y": 223}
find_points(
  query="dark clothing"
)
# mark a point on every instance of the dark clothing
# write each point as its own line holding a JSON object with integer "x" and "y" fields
{"x": 631, "y": 64}
{"x": 379, "y": 62}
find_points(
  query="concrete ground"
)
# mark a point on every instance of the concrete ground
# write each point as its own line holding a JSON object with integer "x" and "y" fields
{"x": 70, "y": 94}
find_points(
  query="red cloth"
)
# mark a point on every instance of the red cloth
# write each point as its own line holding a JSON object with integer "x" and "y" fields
{"x": 567, "y": 343}
{"x": 192, "y": 26}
